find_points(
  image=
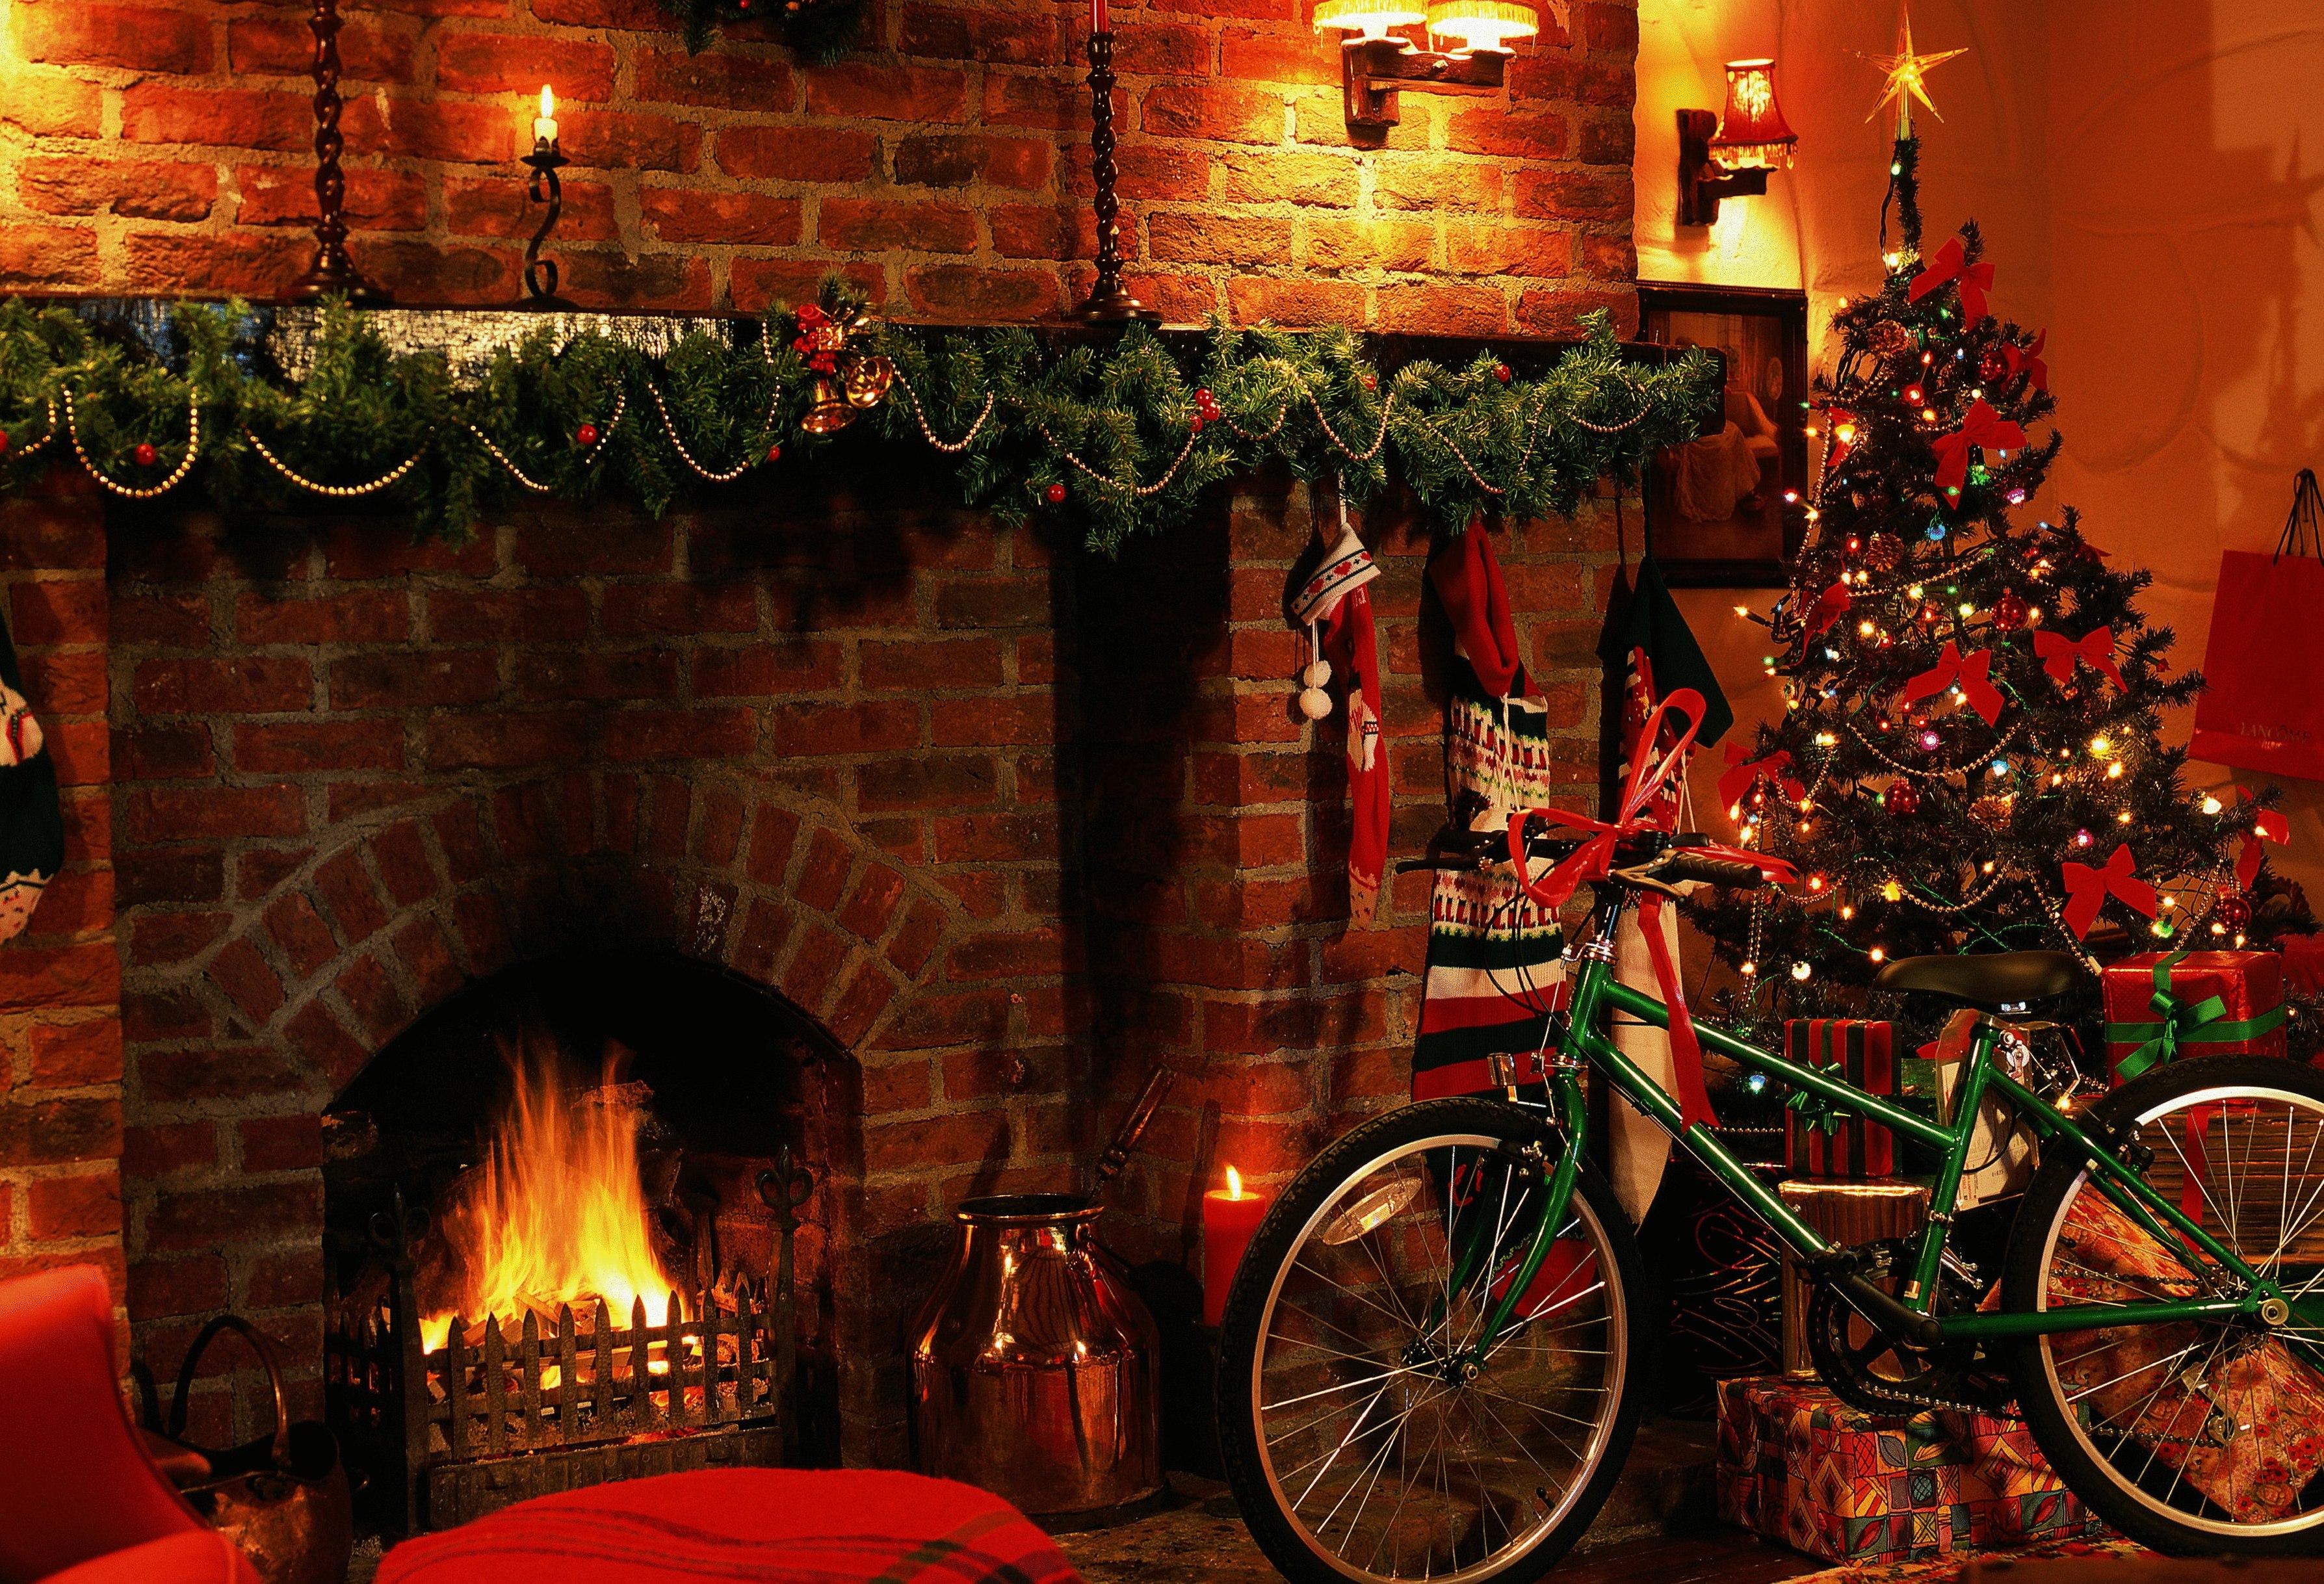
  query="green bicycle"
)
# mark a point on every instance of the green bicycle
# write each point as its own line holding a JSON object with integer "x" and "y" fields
{"x": 1431, "y": 1353}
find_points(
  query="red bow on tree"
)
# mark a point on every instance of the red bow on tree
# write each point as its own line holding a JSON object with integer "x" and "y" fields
{"x": 1982, "y": 427}
{"x": 2088, "y": 889}
{"x": 2094, "y": 648}
{"x": 2027, "y": 360}
{"x": 1830, "y": 607}
{"x": 1741, "y": 777}
{"x": 1970, "y": 673}
{"x": 1976, "y": 280}
{"x": 1594, "y": 861}
{"x": 2268, "y": 825}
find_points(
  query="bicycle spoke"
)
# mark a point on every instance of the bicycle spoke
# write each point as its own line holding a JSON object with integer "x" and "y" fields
{"x": 2142, "y": 1369}
{"x": 1345, "y": 1386}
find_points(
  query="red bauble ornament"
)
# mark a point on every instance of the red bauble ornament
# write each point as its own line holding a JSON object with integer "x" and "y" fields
{"x": 145, "y": 455}
{"x": 4, "y": 442}
{"x": 585, "y": 436}
{"x": 2234, "y": 912}
{"x": 1055, "y": 494}
{"x": 1195, "y": 424}
{"x": 1205, "y": 403}
{"x": 1904, "y": 797}
{"x": 774, "y": 453}
{"x": 1371, "y": 382}
{"x": 2010, "y": 612}
{"x": 1991, "y": 366}
{"x": 1502, "y": 372}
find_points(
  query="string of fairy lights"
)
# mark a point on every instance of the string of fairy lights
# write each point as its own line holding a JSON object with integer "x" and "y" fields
{"x": 1880, "y": 602}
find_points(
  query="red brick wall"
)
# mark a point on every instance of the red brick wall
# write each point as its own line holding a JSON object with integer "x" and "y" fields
{"x": 162, "y": 146}
{"x": 61, "y": 1063}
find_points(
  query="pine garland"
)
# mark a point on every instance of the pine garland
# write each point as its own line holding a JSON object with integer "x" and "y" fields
{"x": 1122, "y": 437}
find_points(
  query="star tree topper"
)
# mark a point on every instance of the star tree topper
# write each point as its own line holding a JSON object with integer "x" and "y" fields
{"x": 1907, "y": 70}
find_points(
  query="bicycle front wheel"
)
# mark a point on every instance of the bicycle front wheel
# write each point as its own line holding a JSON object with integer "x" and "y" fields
{"x": 2194, "y": 1437}
{"x": 1369, "y": 1432}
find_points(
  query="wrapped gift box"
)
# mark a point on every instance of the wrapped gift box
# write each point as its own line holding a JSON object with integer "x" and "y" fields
{"x": 2162, "y": 1005}
{"x": 1797, "y": 1465}
{"x": 1823, "y": 1141}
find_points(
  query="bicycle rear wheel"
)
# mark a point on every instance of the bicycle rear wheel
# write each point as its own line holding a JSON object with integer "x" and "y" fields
{"x": 1364, "y": 1438}
{"x": 2194, "y": 1437}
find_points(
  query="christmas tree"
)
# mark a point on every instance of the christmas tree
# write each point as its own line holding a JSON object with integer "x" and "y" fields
{"x": 1969, "y": 757}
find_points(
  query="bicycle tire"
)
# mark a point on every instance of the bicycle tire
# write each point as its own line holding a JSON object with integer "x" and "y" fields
{"x": 1262, "y": 1274}
{"x": 2179, "y": 1520}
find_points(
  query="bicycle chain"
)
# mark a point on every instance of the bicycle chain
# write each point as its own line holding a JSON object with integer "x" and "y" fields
{"x": 1955, "y": 1386}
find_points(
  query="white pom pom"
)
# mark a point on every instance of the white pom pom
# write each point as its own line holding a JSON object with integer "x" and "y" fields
{"x": 1314, "y": 704}
{"x": 1317, "y": 674}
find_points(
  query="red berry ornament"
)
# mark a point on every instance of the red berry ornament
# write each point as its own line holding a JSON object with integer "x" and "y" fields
{"x": 4, "y": 442}
{"x": 1371, "y": 382}
{"x": 1904, "y": 799}
{"x": 1195, "y": 424}
{"x": 2009, "y": 611}
{"x": 774, "y": 453}
{"x": 1055, "y": 494}
{"x": 145, "y": 455}
{"x": 585, "y": 436}
{"x": 1502, "y": 372}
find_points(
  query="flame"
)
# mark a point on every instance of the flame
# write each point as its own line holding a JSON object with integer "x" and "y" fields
{"x": 548, "y": 103}
{"x": 1234, "y": 1184}
{"x": 556, "y": 1213}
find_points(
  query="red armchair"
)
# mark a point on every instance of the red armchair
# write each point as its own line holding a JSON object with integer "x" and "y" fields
{"x": 80, "y": 1500}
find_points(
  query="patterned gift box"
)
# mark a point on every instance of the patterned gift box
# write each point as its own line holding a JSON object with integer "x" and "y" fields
{"x": 1798, "y": 1465}
{"x": 2160, "y": 1006}
{"x": 1824, "y": 1140}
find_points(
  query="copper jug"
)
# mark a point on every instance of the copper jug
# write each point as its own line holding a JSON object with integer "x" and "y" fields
{"x": 1034, "y": 1366}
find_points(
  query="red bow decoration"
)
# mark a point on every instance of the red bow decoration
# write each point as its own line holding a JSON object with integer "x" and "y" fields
{"x": 1741, "y": 777}
{"x": 2088, "y": 889}
{"x": 1982, "y": 427}
{"x": 1976, "y": 280}
{"x": 2268, "y": 825}
{"x": 1830, "y": 607}
{"x": 1594, "y": 861}
{"x": 2094, "y": 648}
{"x": 2027, "y": 360}
{"x": 1970, "y": 672}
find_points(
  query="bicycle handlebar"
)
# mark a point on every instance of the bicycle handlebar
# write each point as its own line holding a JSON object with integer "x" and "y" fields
{"x": 1683, "y": 865}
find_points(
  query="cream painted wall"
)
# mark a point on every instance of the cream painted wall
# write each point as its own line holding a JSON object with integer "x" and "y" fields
{"x": 2147, "y": 173}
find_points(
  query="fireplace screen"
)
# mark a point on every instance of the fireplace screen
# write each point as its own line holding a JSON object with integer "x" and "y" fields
{"x": 561, "y": 1258}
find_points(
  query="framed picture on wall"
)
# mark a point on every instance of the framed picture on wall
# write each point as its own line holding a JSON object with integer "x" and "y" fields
{"x": 1716, "y": 503}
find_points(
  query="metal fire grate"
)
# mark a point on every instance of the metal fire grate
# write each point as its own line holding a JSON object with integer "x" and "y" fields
{"x": 448, "y": 1435}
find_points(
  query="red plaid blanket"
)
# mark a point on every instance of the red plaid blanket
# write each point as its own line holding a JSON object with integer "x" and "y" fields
{"x": 764, "y": 1525}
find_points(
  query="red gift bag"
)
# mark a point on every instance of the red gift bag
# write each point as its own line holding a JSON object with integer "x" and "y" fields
{"x": 2263, "y": 707}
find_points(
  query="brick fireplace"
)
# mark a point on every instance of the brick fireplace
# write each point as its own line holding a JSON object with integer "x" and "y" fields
{"x": 1008, "y": 823}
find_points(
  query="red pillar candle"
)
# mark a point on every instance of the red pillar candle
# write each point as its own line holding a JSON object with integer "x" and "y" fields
{"x": 1099, "y": 22}
{"x": 1230, "y": 1218}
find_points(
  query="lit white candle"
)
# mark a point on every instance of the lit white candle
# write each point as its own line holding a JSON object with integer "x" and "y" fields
{"x": 544, "y": 126}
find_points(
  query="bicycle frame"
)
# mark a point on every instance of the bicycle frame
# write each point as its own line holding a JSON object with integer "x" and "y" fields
{"x": 1598, "y": 995}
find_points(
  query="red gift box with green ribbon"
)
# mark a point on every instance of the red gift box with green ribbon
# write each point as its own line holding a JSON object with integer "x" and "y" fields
{"x": 2161, "y": 1006}
{"x": 1822, "y": 1137}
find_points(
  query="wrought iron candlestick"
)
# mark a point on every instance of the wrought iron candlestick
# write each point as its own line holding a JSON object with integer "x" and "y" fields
{"x": 1109, "y": 301}
{"x": 540, "y": 274}
{"x": 332, "y": 273}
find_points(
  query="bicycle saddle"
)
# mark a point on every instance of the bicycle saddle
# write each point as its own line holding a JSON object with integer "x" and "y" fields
{"x": 1991, "y": 981}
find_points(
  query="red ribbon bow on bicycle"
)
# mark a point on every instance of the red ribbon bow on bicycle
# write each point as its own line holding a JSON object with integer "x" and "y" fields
{"x": 1982, "y": 427}
{"x": 2088, "y": 889}
{"x": 1594, "y": 861}
{"x": 1952, "y": 264}
{"x": 2094, "y": 648}
{"x": 1970, "y": 672}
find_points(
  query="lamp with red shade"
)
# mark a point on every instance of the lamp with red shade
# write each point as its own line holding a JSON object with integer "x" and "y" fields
{"x": 1730, "y": 157}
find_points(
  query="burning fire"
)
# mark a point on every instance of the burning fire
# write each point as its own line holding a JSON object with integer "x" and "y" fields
{"x": 556, "y": 1214}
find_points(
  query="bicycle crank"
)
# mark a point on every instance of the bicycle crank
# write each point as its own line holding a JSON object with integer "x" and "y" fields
{"x": 1874, "y": 1370}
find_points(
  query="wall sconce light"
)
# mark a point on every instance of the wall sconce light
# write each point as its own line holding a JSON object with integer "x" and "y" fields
{"x": 1375, "y": 64}
{"x": 1732, "y": 158}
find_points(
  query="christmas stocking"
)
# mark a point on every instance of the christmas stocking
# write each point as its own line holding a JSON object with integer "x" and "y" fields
{"x": 31, "y": 828}
{"x": 1337, "y": 600}
{"x": 1492, "y": 970}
